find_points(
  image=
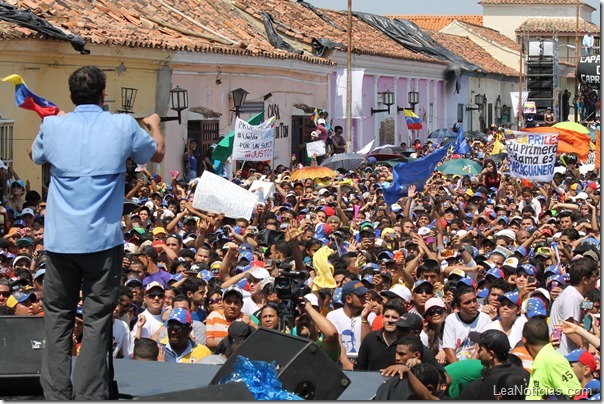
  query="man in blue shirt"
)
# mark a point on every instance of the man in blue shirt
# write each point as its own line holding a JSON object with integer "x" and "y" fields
{"x": 87, "y": 151}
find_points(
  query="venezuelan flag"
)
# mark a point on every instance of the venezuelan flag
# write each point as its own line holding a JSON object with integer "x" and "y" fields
{"x": 27, "y": 100}
{"x": 412, "y": 120}
{"x": 315, "y": 116}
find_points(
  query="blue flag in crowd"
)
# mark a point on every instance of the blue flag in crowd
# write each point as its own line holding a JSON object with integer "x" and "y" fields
{"x": 413, "y": 173}
{"x": 461, "y": 146}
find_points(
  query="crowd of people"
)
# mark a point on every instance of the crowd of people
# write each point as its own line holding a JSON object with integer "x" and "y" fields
{"x": 474, "y": 287}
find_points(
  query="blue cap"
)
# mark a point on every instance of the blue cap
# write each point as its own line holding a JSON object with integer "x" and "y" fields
{"x": 513, "y": 297}
{"x": 39, "y": 273}
{"x": 552, "y": 270}
{"x": 246, "y": 247}
{"x": 245, "y": 255}
{"x": 504, "y": 218}
{"x": 385, "y": 255}
{"x": 206, "y": 275}
{"x": 337, "y": 296}
{"x": 177, "y": 277}
{"x": 556, "y": 278}
{"x": 179, "y": 314}
{"x": 355, "y": 287}
{"x": 528, "y": 268}
{"x": 420, "y": 282}
{"x": 467, "y": 282}
{"x": 521, "y": 250}
{"x": 496, "y": 273}
{"x": 483, "y": 293}
{"x": 535, "y": 307}
{"x": 372, "y": 265}
{"x": 368, "y": 279}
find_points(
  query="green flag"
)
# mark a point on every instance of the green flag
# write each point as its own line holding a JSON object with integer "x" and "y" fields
{"x": 224, "y": 148}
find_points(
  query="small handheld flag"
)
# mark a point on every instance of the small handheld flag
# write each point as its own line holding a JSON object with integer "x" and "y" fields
{"x": 412, "y": 120}
{"x": 25, "y": 99}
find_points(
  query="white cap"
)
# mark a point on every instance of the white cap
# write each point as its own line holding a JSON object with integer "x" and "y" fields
{"x": 321, "y": 121}
{"x": 462, "y": 233}
{"x": 423, "y": 231}
{"x": 543, "y": 291}
{"x": 258, "y": 273}
{"x": 580, "y": 195}
{"x": 396, "y": 208}
{"x": 400, "y": 291}
{"x": 130, "y": 247}
{"x": 507, "y": 233}
{"x": 313, "y": 299}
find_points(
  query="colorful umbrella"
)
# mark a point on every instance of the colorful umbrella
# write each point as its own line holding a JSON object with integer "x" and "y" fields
{"x": 347, "y": 161}
{"x": 460, "y": 167}
{"x": 313, "y": 172}
{"x": 574, "y": 126}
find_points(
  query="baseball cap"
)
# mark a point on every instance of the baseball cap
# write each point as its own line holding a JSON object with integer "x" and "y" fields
{"x": 510, "y": 263}
{"x": 506, "y": 233}
{"x": 583, "y": 356}
{"x": 133, "y": 282}
{"x": 502, "y": 251}
{"x": 154, "y": 284}
{"x": 336, "y": 298}
{"x": 246, "y": 247}
{"x": 528, "y": 268}
{"x": 130, "y": 248}
{"x": 27, "y": 211}
{"x": 206, "y": 275}
{"x": 387, "y": 255}
{"x": 541, "y": 291}
{"x": 422, "y": 283}
{"x": 513, "y": 297}
{"x": 423, "y": 231}
{"x": 312, "y": 298}
{"x": 231, "y": 289}
{"x": 434, "y": 302}
{"x": 495, "y": 273}
{"x": 25, "y": 241}
{"x": 456, "y": 272}
{"x": 355, "y": 287}
{"x": 179, "y": 314}
{"x": 535, "y": 307}
{"x": 467, "y": 282}
{"x": 21, "y": 257}
{"x": 18, "y": 297}
{"x": 194, "y": 269}
{"x": 247, "y": 255}
{"x": 410, "y": 320}
{"x": 258, "y": 273}
{"x": 39, "y": 272}
{"x": 175, "y": 278}
{"x": 398, "y": 291}
{"x": 159, "y": 230}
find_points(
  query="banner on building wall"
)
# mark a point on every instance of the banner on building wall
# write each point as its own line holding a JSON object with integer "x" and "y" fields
{"x": 254, "y": 142}
{"x": 317, "y": 147}
{"x": 514, "y": 97}
{"x": 210, "y": 196}
{"x": 356, "y": 79}
{"x": 532, "y": 156}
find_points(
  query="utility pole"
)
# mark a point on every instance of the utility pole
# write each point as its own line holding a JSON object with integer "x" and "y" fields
{"x": 520, "y": 81}
{"x": 349, "y": 81}
{"x": 577, "y": 56}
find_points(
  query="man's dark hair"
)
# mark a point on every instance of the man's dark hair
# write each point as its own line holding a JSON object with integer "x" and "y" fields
{"x": 458, "y": 292}
{"x": 396, "y": 305}
{"x": 191, "y": 285}
{"x": 535, "y": 332}
{"x": 593, "y": 295}
{"x": 428, "y": 265}
{"x": 572, "y": 234}
{"x": 513, "y": 383}
{"x": 427, "y": 374}
{"x": 284, "y": 248}
{"x": 87, "y": 85}
{"x": 125, "y": 291}
{"x": 413, "y": 342}
{"x": 338, "y": 127}
{"x": 186, "y": 253}
{"x": 499, "y": 283}
{"x": 145, "y": 349}
{"x": 515, "y": 360}
{"x": 150, "y": 252}
{"x": 181, "y": 298}
{"x": 582, "y": 267}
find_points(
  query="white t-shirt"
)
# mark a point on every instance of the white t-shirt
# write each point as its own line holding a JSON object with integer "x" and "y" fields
{"x": 152, "y": 324}
{"x": 566, "y": 305}
{"x": 349, "y": 330}
{"x": 456, "y": 333}
{"x": 249, "y": 306}
{"x": 122, "y": 340}
{"x": 515, "y": 332}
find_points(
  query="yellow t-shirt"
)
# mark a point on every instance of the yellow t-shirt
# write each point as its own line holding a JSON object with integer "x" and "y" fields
{"x": 552, "y": 375}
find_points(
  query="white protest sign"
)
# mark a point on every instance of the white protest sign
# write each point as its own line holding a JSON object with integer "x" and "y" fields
{"x": 317, "y": 147}
{"x": 267, "y": 187}
{"x": 254, "y": 142}
{"x": 532, "y": 156}
{"x": 218, "y": 195}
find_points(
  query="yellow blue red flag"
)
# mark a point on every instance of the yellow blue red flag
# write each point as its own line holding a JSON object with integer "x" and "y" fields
{"x": 25, "y": 99}
{"x": 412, "y": 120}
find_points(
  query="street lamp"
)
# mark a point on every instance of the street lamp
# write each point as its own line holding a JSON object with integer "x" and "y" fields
{"x": 387, "y": 99}
{"x": 239, "y": 96}
{"x": 412, "y": 99}
{"x": 179, "y": 101}
{"x": 128, "y": 97}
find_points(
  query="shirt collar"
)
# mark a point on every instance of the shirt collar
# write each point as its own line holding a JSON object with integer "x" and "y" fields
{"x": 88, "y": 108}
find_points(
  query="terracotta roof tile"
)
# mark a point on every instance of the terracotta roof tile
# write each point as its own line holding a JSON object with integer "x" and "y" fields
{"x": 492, "y": 35}
{"x": 561, "y": 24}
{"x": 472, "y": 52}
{"x": 530, "y": 2}
{"x": 438, "y": 22}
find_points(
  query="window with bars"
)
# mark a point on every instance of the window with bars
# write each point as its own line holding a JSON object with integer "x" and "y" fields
{"x": 6, "y": 141}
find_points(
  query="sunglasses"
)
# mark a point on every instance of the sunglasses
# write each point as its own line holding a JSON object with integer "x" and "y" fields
{"x": 435, "y": 311}
{"x": 422, "y": 291}
{"x": 154, "y": 295}
{"x": 215, "y": 301}
{"x": 5, "y": 294}
{"x": 178, "y": 328}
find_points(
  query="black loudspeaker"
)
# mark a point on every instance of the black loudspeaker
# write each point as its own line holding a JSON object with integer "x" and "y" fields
{"x": 22, "y": 344}
{"x": 222, "y": 392}
{"x": 304, "y": 369}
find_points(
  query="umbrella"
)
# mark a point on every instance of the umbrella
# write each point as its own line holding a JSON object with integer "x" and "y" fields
{"x": 498, "y": 158}
{"x": 224, "y": 148}
{"x": 443, "y": 132}
{"x": 574, "y": 126}
{"x": 313, "y": 172}
{"x": 347, "y": 161}
{"x": 387, "y": 152}
{"x": 460, "y": 167}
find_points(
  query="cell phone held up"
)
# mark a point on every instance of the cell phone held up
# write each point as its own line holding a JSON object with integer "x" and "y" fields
{"x": 557, "y": 334}
{"x": 587, "y": 305}
{"x": 531, "y": 279}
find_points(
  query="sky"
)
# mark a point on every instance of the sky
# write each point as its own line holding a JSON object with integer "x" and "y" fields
{"x": 442, "y": 7}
